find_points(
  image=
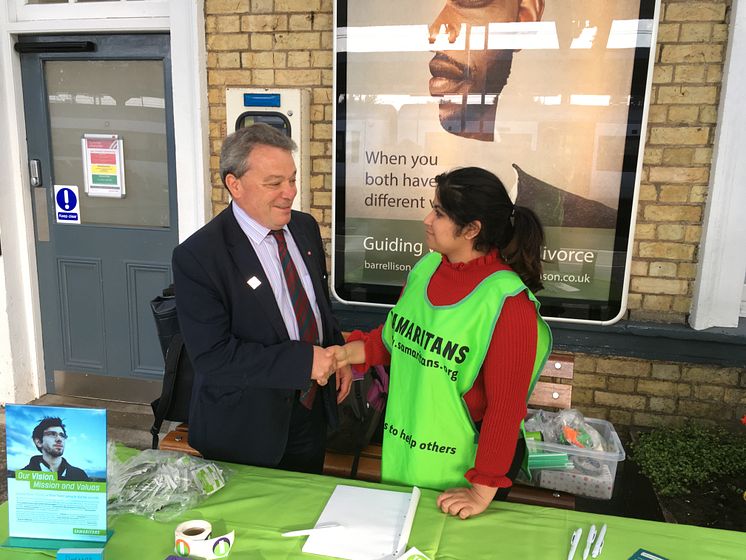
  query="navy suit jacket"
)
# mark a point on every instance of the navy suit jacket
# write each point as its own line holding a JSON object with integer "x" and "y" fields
{"x": 247, "y": 370}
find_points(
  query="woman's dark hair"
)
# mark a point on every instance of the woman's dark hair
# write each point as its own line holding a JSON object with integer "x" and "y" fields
{"x": 471, "y": 193}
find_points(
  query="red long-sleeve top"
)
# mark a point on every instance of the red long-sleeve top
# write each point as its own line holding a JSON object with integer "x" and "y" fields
{"x": 498, "y": 397}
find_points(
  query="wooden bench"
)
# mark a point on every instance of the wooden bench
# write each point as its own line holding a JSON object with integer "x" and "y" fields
{"x": 176, "y": 440}
{"x": 553, "y": 391}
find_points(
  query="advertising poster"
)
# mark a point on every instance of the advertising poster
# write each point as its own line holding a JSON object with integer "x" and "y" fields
{"x": 549, "y": 96}
{"x": 56, "y": 461}
{"x": 103, "y": 162}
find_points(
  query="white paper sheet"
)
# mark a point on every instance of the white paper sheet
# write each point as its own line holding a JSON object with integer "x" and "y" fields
{"x": 377, "y": 523}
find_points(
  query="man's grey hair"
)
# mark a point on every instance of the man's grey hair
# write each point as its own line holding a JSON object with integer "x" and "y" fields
{"x": 237, "y": 146}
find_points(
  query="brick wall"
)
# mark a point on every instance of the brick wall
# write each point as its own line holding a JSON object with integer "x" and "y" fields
{"x": 684, "y": 100}
{"x": 288, "y": 43}
{"x": 644, "y": 393}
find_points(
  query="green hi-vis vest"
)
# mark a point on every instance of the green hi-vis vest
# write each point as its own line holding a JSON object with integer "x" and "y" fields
{"x": 429, "y": 439}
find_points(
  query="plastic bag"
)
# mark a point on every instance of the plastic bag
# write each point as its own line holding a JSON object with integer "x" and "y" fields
{"x": 160, "y": 484}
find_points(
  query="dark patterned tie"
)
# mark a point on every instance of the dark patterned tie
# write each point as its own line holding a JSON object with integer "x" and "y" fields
{"x": 307, "y": 329}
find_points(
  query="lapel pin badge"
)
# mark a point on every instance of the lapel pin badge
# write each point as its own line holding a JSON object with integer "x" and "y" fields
{"x": 254, "y": 282}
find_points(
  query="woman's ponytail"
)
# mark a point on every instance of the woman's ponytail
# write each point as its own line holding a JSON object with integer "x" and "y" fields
{"x": 523, "y": 251}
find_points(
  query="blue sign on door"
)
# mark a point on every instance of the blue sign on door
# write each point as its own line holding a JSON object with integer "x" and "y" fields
{"x": 66, "y": 204}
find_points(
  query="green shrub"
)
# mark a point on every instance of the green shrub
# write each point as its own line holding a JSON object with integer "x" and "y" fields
{"x": 677, "y": 459}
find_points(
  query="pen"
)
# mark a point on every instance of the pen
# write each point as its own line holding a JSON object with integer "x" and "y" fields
{"x": 574, "y": 540}
{"x": 317, "y": 529}
{"x": 589, "y": 542}
{"x": 599, "y": 542}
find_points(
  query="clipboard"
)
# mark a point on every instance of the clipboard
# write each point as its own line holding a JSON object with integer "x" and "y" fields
{"x": 377, "y": 523}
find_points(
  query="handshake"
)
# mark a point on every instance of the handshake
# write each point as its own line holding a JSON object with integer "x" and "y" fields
{"x": 326, "y": 361}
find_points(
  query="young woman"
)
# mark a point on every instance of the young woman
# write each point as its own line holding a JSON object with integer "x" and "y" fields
{"x": 465, "y": 343}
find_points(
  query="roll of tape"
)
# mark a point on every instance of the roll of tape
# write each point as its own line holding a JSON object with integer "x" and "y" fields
{"x": 193, "y": 538}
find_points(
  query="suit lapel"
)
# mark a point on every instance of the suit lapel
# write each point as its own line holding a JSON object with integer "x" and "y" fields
{"x": 249, "y": 266}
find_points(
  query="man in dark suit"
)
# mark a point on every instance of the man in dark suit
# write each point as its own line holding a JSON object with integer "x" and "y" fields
{"x": 254, "y": 309}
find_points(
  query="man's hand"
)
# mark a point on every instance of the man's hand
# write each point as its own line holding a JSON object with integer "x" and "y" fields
{"x": 465, "y": 502}
{"x": 324, "y": 364}
{"x": 344, "y": 382}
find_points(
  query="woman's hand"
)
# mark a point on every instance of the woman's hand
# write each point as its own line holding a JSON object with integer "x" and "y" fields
{"x": 350, "y": 353}
{"x": 466, "y": 502}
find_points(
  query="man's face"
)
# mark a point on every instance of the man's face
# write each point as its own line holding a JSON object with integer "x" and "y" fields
{"x": 267, "y": 190}
{"x": 53, "y": 441}
{"x": 476, "y": 75}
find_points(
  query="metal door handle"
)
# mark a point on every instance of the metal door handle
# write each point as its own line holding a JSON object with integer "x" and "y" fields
{"x": 34, "y": 168}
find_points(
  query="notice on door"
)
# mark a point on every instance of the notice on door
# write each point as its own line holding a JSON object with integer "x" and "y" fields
{"x": 103, "y": 163}
{"x": 66, "y": 204}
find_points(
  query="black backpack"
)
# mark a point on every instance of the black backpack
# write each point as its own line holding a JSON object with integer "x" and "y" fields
{"x": 178, "y": 377}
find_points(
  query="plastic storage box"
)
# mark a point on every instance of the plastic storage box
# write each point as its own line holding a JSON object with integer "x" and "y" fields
{"x": 583, "y": 472}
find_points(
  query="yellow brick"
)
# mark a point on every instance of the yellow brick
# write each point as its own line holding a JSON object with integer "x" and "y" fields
{"x": 228, "y": 24}
{"x": 643, "y": 419}
{"x": 687, "y": 95}
{"x": 699, "y": 409}
{"x": 671, "y": 232}
{"x": 297, "y": 77}
{"x": 327, "y": 40}
{"x": 719, "y": 33}
{"x": 678, "y": 156}
{"x": 329, "y": 113}
{"x": 211, "y": 24}
{"x": 695, "y": 11}
{"x": 644, "y": 231}
{"x": 322, "y": 132}
{"x": 662, "y": 404}
{"x": 230, "y": 77}
{"x": 690, "y": 73}
{"x": 257, "y": 23}
{"x": 675, "y": 193}
{"x": 297, "y": 41}
{"x": 616, "y": 366}
{"x": 212, "y": 60}
{"x": 262, "y": 6}
{"x": 714, "y": 74}
{"x": 229, "y": 60}
{"x": 264, "y": 77}
{"x": 299, "y": 59}
{"x": 682, "y": 304}
{"x": 321, "y": 59}
{"x": 227, "y": 42}
{"x": 686, "y": 175}
{"x": 297, "y": 5}
{"x": 666, "y": 250}
{"x": 620, "y": 400}
{"x": 301, "y": 22}
{"x": 687, "y": 271}
{"x": 708, "y": 114}
{"x": 658, "y": 113}
{"x": 663, "y": 269}
{"x": 648, "y": 192}
{"x": 280, "y": 59}
{"x": 634, "y": 301}
{"x": 322, "y": 198}
{"x": 262, "y": 42}
{"x": 327, "y": 77}
{"x": 693, "y": 234}
{"x": 670, "y": 372}
{"x": 226, "y": 6}
{"x": 662, "y": 74}
{"x": 668, "y": 32}
{"x": 695, "y": 32}
{"x": 657, "y": 303}
{"x": 252, "y": 59}
{"x": 323, "y": 22}
{"x": 639, "y": 268}
{"x": 321, "y": 165}
{"x": 686, "y": 136}
{"x": 663, "y": 286}
{"x": 671, "y": 213}
{"x": 321, "y": 95}
{"x": 653, "y": 156}
{"x": 691, "y": 54}
{"x": 702, "y": 155}
{"x": 710, "y": 374}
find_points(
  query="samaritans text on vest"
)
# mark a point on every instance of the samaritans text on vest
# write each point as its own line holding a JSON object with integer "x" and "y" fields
{"x": 428, "y": 342}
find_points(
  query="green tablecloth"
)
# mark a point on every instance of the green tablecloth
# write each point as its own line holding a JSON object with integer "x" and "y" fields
{"x": 261, "y": 503}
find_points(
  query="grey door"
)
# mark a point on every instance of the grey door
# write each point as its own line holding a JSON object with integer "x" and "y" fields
{"x": 97, "y": 277}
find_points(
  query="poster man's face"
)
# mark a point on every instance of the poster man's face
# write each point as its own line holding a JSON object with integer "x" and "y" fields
{"x": 53, "y": 441}
{"x": 471, "y": 79}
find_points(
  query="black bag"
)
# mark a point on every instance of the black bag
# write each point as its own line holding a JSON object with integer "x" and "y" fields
{"x": 178, "y": 376}
{"x": 361, "y": 416}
